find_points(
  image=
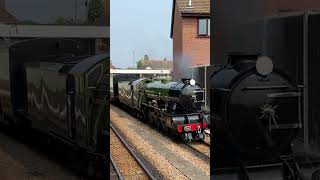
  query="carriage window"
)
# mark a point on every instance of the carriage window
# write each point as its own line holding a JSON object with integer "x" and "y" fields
{"x": 94, "y": 76}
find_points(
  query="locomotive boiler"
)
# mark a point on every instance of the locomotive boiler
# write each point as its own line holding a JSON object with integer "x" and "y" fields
{"x": 170, "y": 106}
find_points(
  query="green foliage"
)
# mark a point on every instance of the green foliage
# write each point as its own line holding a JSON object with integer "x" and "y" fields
{"x": 68, "y": 21}
{"x": 139, "y": 64}
{"x": 62, "y": 20}
{"x": 165, "y": 81}
{"x": 28, "y": 22}
{"x": 95, "y": 10}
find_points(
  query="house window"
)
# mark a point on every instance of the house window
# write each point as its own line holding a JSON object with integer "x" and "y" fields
{"x": 204, "y": 27}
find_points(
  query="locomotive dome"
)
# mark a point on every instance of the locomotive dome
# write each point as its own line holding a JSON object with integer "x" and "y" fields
{"x": 264, "y": 65}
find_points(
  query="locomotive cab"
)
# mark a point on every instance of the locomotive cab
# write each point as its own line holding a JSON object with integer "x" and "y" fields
{"x": 90, "y": 99}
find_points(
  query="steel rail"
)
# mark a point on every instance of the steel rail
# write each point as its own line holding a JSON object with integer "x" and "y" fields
{"x": 197, "y": 151}
{"x": 116, "y": 168}
{"x": 136, "y": 157}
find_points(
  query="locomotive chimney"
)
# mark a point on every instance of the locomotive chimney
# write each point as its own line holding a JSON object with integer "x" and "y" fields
{"x": 235, "y": 58}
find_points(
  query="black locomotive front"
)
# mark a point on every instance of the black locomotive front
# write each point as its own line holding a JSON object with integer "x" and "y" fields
{"x": 191, "y": 95}
{"x": 255, "y": 110}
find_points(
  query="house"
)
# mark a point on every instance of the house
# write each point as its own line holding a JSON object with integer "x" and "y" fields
{"x": 190, "y": 32}
{"x": 151, "y": 64}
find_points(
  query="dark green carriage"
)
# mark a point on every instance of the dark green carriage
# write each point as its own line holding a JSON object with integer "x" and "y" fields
{"x": 60, "y": 91}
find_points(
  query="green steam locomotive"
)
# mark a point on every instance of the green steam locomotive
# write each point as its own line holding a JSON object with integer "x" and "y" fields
{"x": 171, "y": 106}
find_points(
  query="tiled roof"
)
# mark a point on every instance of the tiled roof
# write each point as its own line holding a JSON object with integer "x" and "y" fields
{"x": 157, "y": 64}
{"x": 6, "y": 17}
{"x": 197, "y": 6}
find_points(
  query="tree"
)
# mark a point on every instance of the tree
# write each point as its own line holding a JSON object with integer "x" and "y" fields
{"x": 139, "y": 64}
{"x": 68, "y": 21}
{"x": 63, "y": 21}
{"x": 95, "y": 10}
{"x": 28, "y": 22}
{"x": 146, "y": 57}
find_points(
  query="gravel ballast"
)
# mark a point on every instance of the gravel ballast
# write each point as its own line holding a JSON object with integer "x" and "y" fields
{"x": 168, "y": 158}
{"x": 127, "y": 165}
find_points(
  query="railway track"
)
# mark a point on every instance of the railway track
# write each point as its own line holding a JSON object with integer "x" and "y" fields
{"x": 114, "y": 171}
{"x": 144, "y": 172}
{"x": 201, "y": 149}
{"x": 166, "y": 156}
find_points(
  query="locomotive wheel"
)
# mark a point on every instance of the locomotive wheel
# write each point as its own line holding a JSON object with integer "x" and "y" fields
{"x": 141, "y": 116}
{"x": 149, "y": 116}
{"x": 201, "y": 136}
{"x": 101, "y": 171}
{"x": 184, "y": 137}
{"x": 158, "y": 123}
{"x": 143, "y": 113}
{"x": 91, "y": 171}
{"x": 157, "y": 120}
{"x": 97, "y": 170}
{"x": 133, "y": 112}
{"x": 164, "y": 126}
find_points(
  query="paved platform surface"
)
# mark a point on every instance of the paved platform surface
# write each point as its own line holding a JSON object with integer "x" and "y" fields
{"x": 20, "y": 161}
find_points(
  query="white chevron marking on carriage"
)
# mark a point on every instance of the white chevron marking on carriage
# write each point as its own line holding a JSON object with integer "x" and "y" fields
{"x": 56, "y": 110}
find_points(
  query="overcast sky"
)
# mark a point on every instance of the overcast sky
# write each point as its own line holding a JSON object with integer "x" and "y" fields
{"x": 142, "y": 26}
